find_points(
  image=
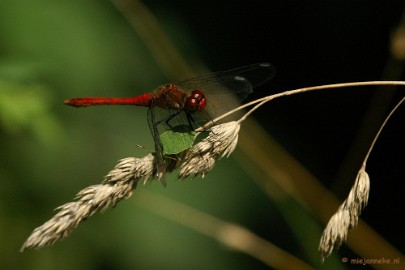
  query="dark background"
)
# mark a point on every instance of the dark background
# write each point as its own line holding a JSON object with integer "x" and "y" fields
{"x": 52, "y": 51}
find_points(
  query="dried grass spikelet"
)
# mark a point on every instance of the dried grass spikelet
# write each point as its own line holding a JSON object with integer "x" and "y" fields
{"x": 220, "y": 142}
{"x": 118, "y": 184}
{"x": 349, "y": 211}
{"x": 347, "y": 215}
{"x": 131, "y": 167}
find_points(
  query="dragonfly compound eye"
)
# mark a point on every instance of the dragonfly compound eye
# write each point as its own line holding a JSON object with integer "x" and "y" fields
{"x": 196, "y": 102}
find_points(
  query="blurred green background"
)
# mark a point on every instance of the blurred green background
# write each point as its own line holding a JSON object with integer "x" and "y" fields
{"x": 54, "y": 50}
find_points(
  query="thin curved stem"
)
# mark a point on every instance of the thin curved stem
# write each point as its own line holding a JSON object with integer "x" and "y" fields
{"x": 266, "y": 99}
{"x": 380, "y": 130}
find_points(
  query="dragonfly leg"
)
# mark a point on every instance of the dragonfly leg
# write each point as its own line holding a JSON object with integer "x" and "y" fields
{"x": 160, "y": 169}
{"x": 191, "y": 121}
{"x": 168, "y": 119}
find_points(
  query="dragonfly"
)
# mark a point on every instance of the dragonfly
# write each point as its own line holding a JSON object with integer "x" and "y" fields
{"x": 186, "y": 105}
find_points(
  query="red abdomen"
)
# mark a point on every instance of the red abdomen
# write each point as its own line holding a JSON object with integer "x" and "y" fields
{"x": 141, "y": 100}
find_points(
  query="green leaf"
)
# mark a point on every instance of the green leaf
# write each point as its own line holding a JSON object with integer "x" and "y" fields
{"x": 177, "y": 140}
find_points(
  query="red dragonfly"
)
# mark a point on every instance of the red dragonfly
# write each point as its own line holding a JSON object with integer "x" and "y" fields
{"x": 189, "y": 104}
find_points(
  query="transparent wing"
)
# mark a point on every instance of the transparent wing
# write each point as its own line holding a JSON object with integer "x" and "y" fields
{"x": 239, "y": 81}
{"x": 225, "y": 90}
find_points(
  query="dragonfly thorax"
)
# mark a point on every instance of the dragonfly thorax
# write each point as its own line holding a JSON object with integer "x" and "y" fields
{"x": 169, "y": 96}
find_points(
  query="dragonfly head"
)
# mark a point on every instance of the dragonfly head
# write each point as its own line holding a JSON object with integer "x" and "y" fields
{"x": 196, "y": 102}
